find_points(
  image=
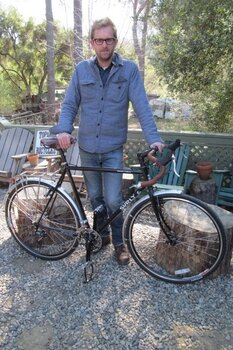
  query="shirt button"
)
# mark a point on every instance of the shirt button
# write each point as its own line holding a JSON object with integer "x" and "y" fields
{"x": 100, "y": 111}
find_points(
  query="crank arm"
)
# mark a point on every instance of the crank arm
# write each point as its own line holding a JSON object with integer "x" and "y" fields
{"x": 89, "y": 265}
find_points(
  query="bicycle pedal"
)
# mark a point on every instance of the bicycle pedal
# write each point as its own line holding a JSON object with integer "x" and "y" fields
{"x": 88, "y": 271}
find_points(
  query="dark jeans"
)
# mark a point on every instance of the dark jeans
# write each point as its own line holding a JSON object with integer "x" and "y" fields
{"x": 105, "y": 188}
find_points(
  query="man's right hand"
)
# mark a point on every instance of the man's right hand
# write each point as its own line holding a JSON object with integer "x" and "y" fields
{"x": 65, "y": 140}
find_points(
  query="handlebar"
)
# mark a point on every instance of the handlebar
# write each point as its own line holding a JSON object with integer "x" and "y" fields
{"x": 150, "y": 155}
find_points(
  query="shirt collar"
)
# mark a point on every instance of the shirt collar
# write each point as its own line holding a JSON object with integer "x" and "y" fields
{"x": 116, "y": 60}
{"x": 97, "y": 63}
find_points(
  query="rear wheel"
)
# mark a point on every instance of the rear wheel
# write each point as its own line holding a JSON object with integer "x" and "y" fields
{"x": 50, "y": 232}
{"x": 194, "y": 247}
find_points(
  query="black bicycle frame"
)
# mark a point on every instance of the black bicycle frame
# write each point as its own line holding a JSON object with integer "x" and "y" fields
{"x": 66, "y": 170}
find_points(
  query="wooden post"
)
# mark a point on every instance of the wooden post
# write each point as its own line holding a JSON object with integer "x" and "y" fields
{"x": 193, "y": 226}
{"x": 205, "y": 190}
{"x": 227, "y": 219}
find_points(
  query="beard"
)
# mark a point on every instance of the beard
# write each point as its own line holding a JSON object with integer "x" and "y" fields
{"x": 104, "y": 55}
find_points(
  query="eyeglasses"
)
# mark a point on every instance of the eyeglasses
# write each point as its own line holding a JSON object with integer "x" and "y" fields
{"x": 109, "y": 41}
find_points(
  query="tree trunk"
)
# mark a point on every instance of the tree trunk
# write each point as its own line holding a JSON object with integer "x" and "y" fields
{"x": 140, "y": 24}
{"x": 50, "y": 58}
{"x": 78, "y": 33}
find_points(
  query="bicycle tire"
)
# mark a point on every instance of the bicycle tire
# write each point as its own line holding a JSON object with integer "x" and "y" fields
{"x": 56, "y": 234}
{"x": 194, "y": 253}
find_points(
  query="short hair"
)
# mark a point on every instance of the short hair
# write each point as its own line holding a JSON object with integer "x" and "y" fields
{"x": 104, "y": 22}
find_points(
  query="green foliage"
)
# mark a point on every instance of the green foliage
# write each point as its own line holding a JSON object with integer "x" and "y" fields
{"x": 193, "y": 52}
{"x": 126, "y": 49}
{"x": 8, "y": 97}
{"x": 20, "y": 51}
{"x": 23, "y": 54}
{"x": 64, "y": 63}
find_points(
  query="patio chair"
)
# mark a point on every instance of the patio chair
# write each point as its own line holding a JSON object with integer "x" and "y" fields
{"x": 73, "y": 157}
{"x": 15, "y": 143}
{"x": 47, "y": 157}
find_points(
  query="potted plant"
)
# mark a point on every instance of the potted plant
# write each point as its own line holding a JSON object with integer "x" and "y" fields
{"x": 204, "y": 170}
{"x": 33, "y": 158}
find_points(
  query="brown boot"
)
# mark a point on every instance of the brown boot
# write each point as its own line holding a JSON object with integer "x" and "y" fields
{"x": 122, "y": 254}
{"x": 106, "y": 240}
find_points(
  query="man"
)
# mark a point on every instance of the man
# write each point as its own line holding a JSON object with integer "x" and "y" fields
{"x": 101, "y": 87}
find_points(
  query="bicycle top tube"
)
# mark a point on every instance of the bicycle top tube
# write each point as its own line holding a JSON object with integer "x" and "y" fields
{"x": 143, "y": 157}
{"x": 52, "y": 142}
{"x": 105, "y": 170}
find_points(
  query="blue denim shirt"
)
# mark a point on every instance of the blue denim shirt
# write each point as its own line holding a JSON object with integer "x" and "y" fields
{"x": 104, "y": 109}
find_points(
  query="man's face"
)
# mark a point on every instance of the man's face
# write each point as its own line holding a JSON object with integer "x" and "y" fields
{"x": 104, "y": 49}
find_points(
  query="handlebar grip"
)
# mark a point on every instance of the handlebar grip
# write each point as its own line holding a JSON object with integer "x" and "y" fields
{"x": 172, "y": 147}
{"x": 52, "y": 142}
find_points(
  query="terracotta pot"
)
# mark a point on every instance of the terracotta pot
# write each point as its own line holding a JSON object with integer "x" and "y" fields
{"x": 204, "y": 169}
{"x": 33, "y": 158}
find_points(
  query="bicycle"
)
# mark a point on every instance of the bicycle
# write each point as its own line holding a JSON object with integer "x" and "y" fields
{"x": 160, "y": 228}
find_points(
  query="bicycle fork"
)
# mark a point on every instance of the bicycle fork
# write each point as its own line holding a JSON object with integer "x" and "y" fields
{"x": 169, "y": 233}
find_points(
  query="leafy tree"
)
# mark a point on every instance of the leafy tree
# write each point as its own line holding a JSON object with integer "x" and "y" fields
{"x": 22, "y": 57}
{"x": 193, "y": 51}
{"x": 23, "y": 48}
{"x": 8, "y": 97}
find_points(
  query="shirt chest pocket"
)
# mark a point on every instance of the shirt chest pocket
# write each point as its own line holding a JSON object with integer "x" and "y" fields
{"x": 118, "y": 89}
{"x": 87, "y": 89}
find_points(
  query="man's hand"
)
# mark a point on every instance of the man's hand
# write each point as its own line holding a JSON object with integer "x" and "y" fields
{"x": 65, "y": 140}
{"x": 159, "y": 145}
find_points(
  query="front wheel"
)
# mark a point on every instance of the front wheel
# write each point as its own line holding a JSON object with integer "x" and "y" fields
{"x": 183, "y": 243}
{"x": 42, "y": 221}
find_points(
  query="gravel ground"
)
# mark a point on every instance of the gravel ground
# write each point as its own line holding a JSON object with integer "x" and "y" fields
{"x": 46, "y": 305}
